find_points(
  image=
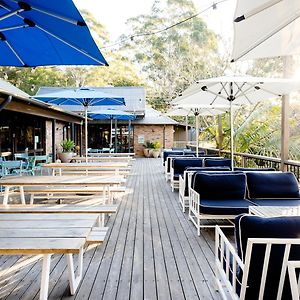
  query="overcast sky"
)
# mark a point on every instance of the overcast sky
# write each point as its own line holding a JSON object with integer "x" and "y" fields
{"x": 114, "y": 13}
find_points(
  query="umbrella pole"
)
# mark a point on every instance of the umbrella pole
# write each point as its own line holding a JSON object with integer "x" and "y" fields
{"x": 129, "y": 135}
{"x": 231, "y": 137}
{"x": 197, "y": 134}
{"x": 116, "y": 138}
{"x": 86, "y": 134}
{"x": 111, "y": 128}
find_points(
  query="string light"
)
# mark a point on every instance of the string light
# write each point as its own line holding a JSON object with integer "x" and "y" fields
{"x": 132, "y": 37}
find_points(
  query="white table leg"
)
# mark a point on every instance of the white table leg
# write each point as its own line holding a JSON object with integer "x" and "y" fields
{"x": 31, "y": 199}
{"x": 45, "y": 277}
{"x": 6, "y": 193}
{"x": 73, "y": 279}
{"x": 22, "y": 195}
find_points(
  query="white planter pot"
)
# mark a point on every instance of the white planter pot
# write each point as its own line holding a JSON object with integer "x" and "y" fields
{"x": 65, "y": 157}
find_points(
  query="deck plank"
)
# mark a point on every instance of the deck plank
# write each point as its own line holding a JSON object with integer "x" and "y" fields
{"x": 151, "y": 251}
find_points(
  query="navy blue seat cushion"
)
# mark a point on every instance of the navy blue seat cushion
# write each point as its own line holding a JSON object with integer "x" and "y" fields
{"x": 272, "y": 185}
{"x": 276, "y": 202}
{"x": 180, "y": 164}
{"x": 221, "y": 186}
{"x": 249, "y": 226}
{"x": 255, "y": 169}
{"x": 212, "y": 162}
{"x": 199, "y": 169}
{"x": 224, "y": 207}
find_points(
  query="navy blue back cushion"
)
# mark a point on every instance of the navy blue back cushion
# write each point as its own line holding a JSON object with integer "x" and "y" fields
{"x": 249, "y": 226}
{"x": 220, "y": 186}
{"x": 180, "y": 164}
{"x": 272, "y": 185}
{"x": 220, "y": 162}
{"x": 254, "y": 169}
{"x": 167, "y": 153}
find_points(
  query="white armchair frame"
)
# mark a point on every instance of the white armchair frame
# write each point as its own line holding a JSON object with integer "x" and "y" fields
{"x": 196, "y": 216}
{"x": 226, "y": 277}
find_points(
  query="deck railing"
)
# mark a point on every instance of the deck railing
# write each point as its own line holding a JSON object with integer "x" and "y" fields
{"x": 247, "y": 160}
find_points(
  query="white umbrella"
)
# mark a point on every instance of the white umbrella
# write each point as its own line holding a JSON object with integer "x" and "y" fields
{"x": 196, "y": 110}
{"x": 266, "y": 28}
{"x": 237, "y": 89}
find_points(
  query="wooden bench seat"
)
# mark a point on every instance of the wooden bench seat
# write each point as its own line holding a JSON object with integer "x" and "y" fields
{"x": 72, "y": 192}
{"x": 59, "y": 211}
{"x": 97, "y": 235}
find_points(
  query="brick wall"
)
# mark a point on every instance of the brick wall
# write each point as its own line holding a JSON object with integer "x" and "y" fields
{"x": 152, "y": 133}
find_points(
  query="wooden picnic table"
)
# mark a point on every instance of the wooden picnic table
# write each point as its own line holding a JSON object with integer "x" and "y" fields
{"x": 121, "y": 154}
{"x": 102, "y": 159}
{"x": 102, "y": 167}
{"x": 30, "y": 234}
{"x": 52, "y": 181}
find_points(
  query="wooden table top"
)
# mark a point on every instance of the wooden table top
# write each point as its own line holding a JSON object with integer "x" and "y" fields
{"x": 89, "y": 165}
{"x": 43, "y": 234}
{"x": 99, "y": 158}
{"x": 121, "y": 154}
{"x": 61, "y": 180}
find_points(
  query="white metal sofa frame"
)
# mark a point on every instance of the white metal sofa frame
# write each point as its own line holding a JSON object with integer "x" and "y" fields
{"x": 227, "y": 264}
{"x": 186, "y": 179}
{"x": 196, "y": 216}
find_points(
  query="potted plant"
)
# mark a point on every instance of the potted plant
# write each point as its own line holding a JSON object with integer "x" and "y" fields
{"x": 156, "y": 149}
{"x": 67, "y": 151}
{"x": 147, "y": 148}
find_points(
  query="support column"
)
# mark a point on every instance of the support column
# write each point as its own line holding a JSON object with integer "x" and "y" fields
{"x": 53, "y": 140}
{"x": 116, "y": 136}
{"x": 284, "y": 153}
{"x": 220, "y": 133}
{"x": 80, "y": 139}
{"x": 186, "y": 130}
{"x": 73, "y": 131}
{"x": 129, "y": 135}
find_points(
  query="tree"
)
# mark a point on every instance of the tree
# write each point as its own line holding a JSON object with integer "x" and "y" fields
{"x": 172, "y": 59}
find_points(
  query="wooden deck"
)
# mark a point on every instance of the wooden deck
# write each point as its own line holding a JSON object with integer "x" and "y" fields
{"x": 152, "y": 252}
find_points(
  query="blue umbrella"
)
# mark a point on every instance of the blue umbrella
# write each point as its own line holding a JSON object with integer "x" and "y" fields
{"x": 40, "y": 33}
{"x": 82, "y": 96}
{"x": 111, "y": 114}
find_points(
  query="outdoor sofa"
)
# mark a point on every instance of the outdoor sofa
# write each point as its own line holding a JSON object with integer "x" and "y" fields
{"x": 185, "y": 182}
{"x": 179, "y": 164}
{"x": 223, "y": 195}
{"x": 264, "y": 263}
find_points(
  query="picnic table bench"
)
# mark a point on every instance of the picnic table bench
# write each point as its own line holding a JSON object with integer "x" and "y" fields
{"x": 73, "y": 192}
{"x": 57, "y": 181}
{"x": 105, "y": 168}
{"x": 48, "y": 234}
{"x": 61, "y": 209}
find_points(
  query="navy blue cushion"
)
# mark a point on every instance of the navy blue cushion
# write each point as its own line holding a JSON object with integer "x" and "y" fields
{"x": 219, "y": 162}
{"x": 276, "y": 202}
{"x": 198, "y": 169}
{"x": 272, "y": 185}
{"x": 220, "y": 186}
{"x": 167, "y": 153}
{"x": 224, "y": 207}
{"x": 254, "y": 169}
{"x": 248, "y": 226}
{"x": 179, "y": 156}
{"x": 180, "y": 164}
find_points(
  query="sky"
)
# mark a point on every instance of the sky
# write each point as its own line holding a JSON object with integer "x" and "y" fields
{"x": 114, "y": 13}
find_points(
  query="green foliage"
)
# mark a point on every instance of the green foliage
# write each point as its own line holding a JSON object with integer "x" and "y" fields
{"x": 148, "y": 145}
{"x": 67, "y": 145}
{"x": 172, "y": 59}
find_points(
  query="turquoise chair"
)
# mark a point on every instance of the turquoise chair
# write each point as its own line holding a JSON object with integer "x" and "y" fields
{"x": 11, "y": 167}
{"x": 30, "y": 166}
{"x": 40, "y": 160}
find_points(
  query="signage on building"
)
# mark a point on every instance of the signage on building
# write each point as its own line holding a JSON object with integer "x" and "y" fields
{"x": 141, "y": 139}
